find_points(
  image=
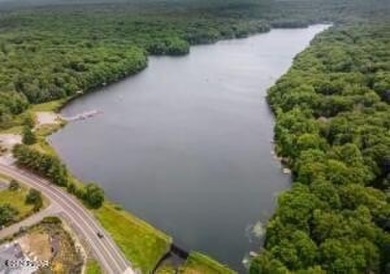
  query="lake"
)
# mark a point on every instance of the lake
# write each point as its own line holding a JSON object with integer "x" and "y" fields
{"x": 187, "y": 143}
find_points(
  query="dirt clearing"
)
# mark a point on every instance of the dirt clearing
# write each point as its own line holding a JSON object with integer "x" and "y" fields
{"x": 47, "y": 118}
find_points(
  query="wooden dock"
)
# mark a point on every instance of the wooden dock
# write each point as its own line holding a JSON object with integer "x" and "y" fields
{"x": 83, "y": 116}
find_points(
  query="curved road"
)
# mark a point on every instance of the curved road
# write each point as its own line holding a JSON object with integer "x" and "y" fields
{"x": 107, "y": 253}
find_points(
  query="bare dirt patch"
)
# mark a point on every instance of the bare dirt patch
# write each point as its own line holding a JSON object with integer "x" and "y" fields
{"x": 47, "y": 118}
{"x": 36, "y": 245}
{"x": 8, "y": 140}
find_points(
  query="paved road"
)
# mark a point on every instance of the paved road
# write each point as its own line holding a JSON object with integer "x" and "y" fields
{"x": 105, "y": 250}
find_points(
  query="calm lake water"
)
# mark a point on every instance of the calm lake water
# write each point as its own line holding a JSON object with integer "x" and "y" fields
{"x": 186, "y": 144}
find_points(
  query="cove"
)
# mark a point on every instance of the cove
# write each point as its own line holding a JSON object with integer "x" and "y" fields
{"x": 186, "y": 144}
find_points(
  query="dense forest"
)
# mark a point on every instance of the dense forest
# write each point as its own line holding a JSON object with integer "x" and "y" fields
{"x": 332, "y": 107}
{"x": 58, "y": 51}
{"x": 333, "y": 130}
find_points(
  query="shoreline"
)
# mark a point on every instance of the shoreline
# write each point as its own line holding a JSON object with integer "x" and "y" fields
{"x": 64, "y": 102}
{"x": 113, "y": 83}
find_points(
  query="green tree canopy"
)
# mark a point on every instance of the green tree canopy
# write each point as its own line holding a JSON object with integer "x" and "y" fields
{"x": 94, "y": 195}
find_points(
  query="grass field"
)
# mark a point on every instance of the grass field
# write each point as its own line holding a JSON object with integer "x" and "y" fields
{"x": 93, "y": 267}
{"x": 198, "y": 263}
{"x": 16, "y": 199}
{"x": 49, "y": 106}
{"x": 142, "y": 244}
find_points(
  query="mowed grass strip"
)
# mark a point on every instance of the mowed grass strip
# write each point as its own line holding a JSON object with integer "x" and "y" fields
{"x": 198, "y": 263}
{"x": 142, "y": 244}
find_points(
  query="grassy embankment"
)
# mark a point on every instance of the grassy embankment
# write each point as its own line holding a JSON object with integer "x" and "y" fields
{"x": 142, "y": 244}
{"x": 198, "y": 263}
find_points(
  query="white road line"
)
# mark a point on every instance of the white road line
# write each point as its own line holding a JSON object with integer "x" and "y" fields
{"x": 78, "y": 207}
{"x": 76, "y": 215}
{"x": 92, "y": 221}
